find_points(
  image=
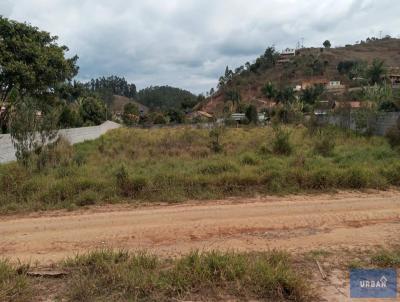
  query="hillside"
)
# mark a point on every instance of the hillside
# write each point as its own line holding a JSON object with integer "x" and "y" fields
{"x": 118, "y": 103}
{"x": 166, "y": 97}
{"x": 309, "y": 64}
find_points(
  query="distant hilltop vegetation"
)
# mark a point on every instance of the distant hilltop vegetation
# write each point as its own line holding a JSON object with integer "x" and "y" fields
{"x": 338, "y": 72}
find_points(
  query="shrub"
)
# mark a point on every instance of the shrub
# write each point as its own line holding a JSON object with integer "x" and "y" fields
{"x": 59, "y": 153}
{"x": 14, "y": 284}
{"x": 122, "y": 179}
{"x": 119, "y": 276}
{"x": 393, "y": 136}
{"x": 281, "y": 143}
{"x": 215, "y": 136}
{"x": 249, "y": 159}
{"x": 387, "y": 258}
{"x": 129, "y": 186}
{"x": 324, "y": 144}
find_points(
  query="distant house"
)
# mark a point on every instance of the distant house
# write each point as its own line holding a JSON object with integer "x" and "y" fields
{"x": 200, "y": 115}
{"x": 352, "y": 105}
{"x": 297, "y": 88}
{"x": 286, "y": 55}
{"x": 335, "y": 86}
{"x": 313, "y": 82}
{"x": 394, "y": 77}
{"x": 240, "y": 117}
{"x": 323, "y": 108}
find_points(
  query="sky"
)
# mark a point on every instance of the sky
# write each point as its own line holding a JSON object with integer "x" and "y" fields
{"x": 188, "y": 43}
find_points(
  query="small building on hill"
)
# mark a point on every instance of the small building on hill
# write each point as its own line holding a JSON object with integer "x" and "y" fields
{"x": 335, "y": 86}
{"x": 394, "y": 76}
{"x": 313, "y": 82}
{"x": 286, "y": 55}
{"x": 200, "y": 116}
{"x": 352, "y": 105}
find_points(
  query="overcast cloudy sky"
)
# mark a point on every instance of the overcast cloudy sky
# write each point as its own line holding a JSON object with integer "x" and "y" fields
{"x": 188, "y": 43}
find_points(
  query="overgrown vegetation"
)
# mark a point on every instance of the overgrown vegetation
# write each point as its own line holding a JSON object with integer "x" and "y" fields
{"x": 14, "y": 284}
{"x": 387, "y": 258}
{"x": 174, "y": 165}
{"x": 121, "y": 276}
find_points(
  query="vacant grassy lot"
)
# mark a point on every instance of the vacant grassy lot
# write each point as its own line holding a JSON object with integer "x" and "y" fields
{"x": 174, "y": 165}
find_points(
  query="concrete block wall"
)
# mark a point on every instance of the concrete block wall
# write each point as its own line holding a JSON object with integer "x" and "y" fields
{"x": 74, "y": 135}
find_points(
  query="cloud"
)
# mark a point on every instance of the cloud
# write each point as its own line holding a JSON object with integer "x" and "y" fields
{"x": 188, "y": 43}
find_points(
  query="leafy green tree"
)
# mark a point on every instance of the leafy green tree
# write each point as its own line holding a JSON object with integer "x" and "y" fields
{"x": 327, "y": 44}
{"x": 69, "y": 117}
{"x": 269, "y": 90}
{"x": 234, "y": 96}
{"x": 131, "y": 114}
{"x": 165, "y": 97}
{"x": 93, "y": 111}
{"x": 32, "y": 125}
{"x": 376, "y": 72}
{"x": 310, "y": 95}
{"x": 159, "y": 119}
{"x": 285, "y": 95}
{"x": 176, "y": 116}
{"x": 252, "y": 114}
{"x": 31, "y": 60}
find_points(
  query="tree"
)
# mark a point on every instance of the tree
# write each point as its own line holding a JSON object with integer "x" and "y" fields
{"x": 311, "y": 94}
{"x": 33, "y": 125}
{"x": 165, "y": 97}
{"x": 252, "y": 114}
{"x": 93, "y": 111}
{"x": 176, "y": 116}
{"x": 327, "y": 44}
{"x": 159, "y": 119}
{"x": 269, "y": 90}
{"x": 376, "y": 72}
{"x": 131, "y": 114}
{"x": 285, "y": 95}
{"x": 31, "y": 60}
{"x": 69, "y": 117}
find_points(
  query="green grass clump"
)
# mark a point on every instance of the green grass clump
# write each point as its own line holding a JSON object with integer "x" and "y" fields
{"x": 14, "y": 284}
{"x": 387, "y": 258}
{"x": 120, "y": 276}
{"x": 174, "y": 165}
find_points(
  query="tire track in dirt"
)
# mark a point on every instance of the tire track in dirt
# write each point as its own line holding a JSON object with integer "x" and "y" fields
{"x": 299, "y": 223}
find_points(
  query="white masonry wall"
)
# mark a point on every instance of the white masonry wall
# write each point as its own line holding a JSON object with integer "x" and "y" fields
{"x": 74, "y": 135}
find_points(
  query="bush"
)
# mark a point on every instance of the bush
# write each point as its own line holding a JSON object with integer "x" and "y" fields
{"x": 129, "y": 186}
{"x": 281, "y": 143}
{"x": 393, "y": 136}
{"x": 120, "y": 276}
{"x": 249, "y": 159}
{"x": 14, "y": 284}
{"x": 324, "y": 144}
{"x": 215, "y": 136}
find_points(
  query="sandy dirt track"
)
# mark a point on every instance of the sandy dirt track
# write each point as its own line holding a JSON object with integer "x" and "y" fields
{"x": 295, "y": 223}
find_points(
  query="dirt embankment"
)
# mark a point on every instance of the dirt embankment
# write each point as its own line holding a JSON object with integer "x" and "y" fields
{"x": 297, "y": 223}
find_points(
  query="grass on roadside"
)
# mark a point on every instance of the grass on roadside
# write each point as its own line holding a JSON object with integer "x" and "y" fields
{"x": 121, "y": 276}
{"x": 14, "y": 284}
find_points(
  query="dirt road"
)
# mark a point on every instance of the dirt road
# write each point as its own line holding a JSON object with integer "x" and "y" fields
{"x": 299, "y": 223}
